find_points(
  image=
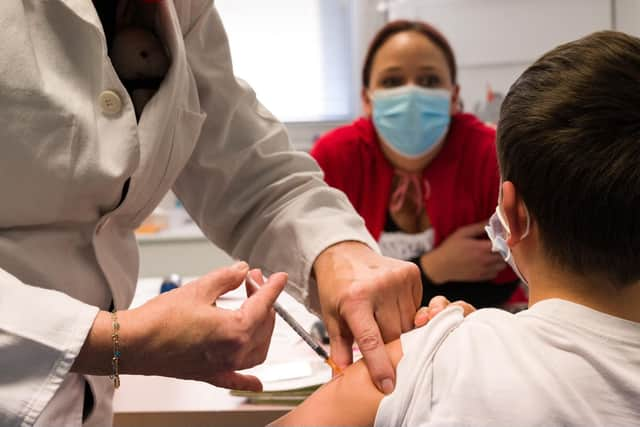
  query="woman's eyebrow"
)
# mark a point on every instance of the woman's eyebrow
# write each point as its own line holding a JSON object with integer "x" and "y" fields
{"x": 392, "y": 68}
{"x": 429, "y": 68}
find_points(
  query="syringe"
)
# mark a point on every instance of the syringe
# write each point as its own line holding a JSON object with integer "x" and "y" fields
{"x": 297, "y": 327}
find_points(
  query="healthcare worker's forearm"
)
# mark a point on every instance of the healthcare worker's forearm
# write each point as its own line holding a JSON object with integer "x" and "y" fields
{"x": 97, "y": 351}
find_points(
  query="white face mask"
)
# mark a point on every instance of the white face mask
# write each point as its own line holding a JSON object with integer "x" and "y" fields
{"x": 498, "y": 232}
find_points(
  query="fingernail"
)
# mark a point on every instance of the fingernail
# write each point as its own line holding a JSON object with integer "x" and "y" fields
{"x": 281, "y": 274}
{"x": 240, "y": 266}
{"x": 387, "y": 386}
{"x": 421, "y": 317}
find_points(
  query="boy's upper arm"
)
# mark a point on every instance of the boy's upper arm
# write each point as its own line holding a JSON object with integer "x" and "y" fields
{"x": 348, "y": 399}
{"x": 352, "y": 399}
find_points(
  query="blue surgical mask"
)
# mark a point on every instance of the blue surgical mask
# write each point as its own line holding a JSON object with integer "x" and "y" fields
{"x": 498, "y": 232}
{"x": 411, "y": 120}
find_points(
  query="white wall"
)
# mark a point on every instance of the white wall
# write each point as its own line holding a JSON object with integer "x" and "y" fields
{"x": 495, "y": 40}
{"x": 627, "y": 16}
{"x": 366, "y": 21}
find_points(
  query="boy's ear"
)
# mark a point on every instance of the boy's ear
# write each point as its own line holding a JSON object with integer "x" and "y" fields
{"x": 515, "y": 213}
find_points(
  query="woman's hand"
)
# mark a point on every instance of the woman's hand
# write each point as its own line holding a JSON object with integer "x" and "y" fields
{"x": 183, "y": 334}
{"x": 436, "y": 305}
{"x": 463, "y": 256}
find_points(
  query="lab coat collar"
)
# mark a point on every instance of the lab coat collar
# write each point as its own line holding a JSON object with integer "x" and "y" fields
{"x": 85, "y": 10}
{"x": 168, "y": 29}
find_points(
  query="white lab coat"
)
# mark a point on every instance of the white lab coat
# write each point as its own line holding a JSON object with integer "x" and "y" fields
{"x": 67, "y": 247}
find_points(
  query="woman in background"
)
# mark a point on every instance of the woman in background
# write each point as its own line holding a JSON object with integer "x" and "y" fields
{"x": 422, "y": 174}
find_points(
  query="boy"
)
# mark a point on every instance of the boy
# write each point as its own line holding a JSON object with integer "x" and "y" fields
{"x": 568, "y": 220}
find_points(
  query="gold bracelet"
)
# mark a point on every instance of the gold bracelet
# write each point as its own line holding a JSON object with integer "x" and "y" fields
{"x": 115, "y": 360}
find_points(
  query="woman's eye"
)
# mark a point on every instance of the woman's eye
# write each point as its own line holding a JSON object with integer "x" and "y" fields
{"x": 429, "y": 81}
{"x": 388, "y": 82}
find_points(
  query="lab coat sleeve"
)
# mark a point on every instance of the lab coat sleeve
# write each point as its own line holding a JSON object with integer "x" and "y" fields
{"x": 250, "y": 192}
{"x": 41, "y": 333}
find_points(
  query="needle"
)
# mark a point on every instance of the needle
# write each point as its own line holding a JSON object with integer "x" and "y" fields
{"x": 320, "y": 351}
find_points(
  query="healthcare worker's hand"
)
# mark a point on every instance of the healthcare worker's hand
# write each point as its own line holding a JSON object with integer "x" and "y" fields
{"x": 194, "y": 339}
{"x": 463, "y": 256}
{"x": 367, "y": 298}
{"x": 183, "y": 334}
{"x": 436, "y": 305}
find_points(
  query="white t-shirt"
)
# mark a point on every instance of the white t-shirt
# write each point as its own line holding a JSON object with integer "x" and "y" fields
{"x": 556, "y": 364}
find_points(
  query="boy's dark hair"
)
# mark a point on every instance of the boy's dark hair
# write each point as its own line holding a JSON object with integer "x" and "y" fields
{"x": 569, "y": 140}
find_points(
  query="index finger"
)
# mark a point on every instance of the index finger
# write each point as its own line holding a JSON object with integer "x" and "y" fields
{"x": 486, "y": 248}
{"x": 473, "y": 230}
{"x": 367, "y": 335}
{"x": 258, "y": 278}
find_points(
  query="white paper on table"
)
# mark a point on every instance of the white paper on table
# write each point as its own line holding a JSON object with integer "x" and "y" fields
{"x": 290, "y": 362}
{"x": 291, "y": 375}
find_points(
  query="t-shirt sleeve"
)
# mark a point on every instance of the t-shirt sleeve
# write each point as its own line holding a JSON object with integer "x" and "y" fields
{"x": 410, "y": 403}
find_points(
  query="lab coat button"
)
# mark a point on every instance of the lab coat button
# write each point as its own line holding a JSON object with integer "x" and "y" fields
{"x": 110, "y": 102}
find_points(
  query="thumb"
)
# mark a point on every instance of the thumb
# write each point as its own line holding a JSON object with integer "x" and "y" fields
{"x": 221, "y": 281}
